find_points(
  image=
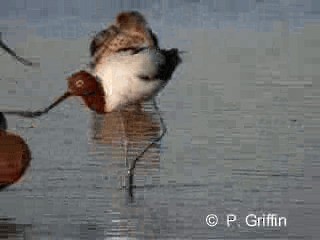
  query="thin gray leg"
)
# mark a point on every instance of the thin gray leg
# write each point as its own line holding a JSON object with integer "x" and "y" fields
{"x": 133, "y": 165}
{"x": 125, "y": 143}
{"x": 14, "y": 55}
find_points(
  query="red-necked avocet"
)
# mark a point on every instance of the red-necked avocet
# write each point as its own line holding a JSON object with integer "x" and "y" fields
{"x": 127, "y": 68}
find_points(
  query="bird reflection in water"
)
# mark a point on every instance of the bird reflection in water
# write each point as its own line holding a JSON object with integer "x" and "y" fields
{"x": 14, "y": 156}
{"x": 134, "y": 131}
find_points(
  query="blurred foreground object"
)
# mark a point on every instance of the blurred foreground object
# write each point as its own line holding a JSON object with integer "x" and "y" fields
{"x": 14, "y": 157}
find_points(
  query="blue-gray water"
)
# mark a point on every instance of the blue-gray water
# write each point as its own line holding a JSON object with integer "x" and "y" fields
{"x": 241, "y": 111}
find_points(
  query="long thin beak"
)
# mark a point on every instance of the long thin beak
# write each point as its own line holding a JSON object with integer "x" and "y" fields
{"x": 30, "y": 114}
{"x": 56, "y": 102}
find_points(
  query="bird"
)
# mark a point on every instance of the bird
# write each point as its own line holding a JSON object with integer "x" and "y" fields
{"x": 127, "y": 68}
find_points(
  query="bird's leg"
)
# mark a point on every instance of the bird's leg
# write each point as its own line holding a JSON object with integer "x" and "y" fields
{"x": 16, "y": 56}
{"x": 27, "y": 114}
{"x": 124, "y": 178}
{"x": 133, "y": 164}
{"x": 126, "y": 152}
{"x": 125, "y": 142}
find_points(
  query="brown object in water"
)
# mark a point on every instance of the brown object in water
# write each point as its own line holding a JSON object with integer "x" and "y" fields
{"x": 14, "y": 158}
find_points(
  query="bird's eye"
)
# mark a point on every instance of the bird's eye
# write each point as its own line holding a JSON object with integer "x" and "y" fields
{"x": 79, "y": 83}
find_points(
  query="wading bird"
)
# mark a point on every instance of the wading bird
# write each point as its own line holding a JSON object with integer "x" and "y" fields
{"x": 127, "y": 68}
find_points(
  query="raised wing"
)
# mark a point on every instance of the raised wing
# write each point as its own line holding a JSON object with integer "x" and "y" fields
{"x": 129, "y": 32}
{"x": 103, "y": 37}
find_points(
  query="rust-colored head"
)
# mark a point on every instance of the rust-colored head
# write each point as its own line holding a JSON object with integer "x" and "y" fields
{"x": 82, "y": 83}
{"x": 85, "y": 85}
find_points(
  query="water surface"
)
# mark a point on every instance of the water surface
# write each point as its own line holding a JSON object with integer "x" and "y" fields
{"x": 241, "y": 113}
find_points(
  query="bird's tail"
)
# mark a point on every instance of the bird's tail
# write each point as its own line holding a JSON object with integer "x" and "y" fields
{"x": 172, "y": 60}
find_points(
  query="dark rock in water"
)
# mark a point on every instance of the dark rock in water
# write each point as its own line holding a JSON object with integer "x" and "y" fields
{"x": 15, "y": 158}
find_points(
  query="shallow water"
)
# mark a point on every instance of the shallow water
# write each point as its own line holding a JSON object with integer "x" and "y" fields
{"x": 241, "y": 113}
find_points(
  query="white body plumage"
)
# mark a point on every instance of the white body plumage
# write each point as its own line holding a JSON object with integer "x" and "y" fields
{"x": 129, "y": 78}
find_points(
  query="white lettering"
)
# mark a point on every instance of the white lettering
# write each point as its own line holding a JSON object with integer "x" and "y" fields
{"x": 231, "y": 218}
{"x": 251, "y": 220}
